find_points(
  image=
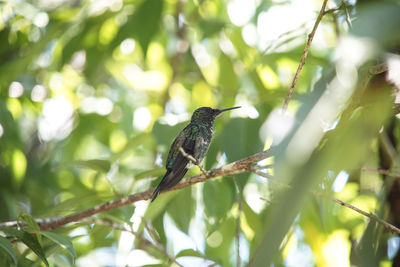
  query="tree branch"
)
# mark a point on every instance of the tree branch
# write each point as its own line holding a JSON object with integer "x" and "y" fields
{"x": 387, "y": 225}
{"x": 304, "y": 56}
{"x": 239, "y": 166}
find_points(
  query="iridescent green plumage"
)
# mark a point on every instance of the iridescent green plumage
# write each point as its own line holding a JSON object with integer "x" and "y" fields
{"x": 195, "y": 140}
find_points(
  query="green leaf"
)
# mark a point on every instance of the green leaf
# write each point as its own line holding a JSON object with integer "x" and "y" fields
{"x": 6, "y": 245}
{"x": 228, "y": 80}
{"x": 219, "y": 242}
{"x": 99, "y": 165}
{"x": 235, "y": 131}
{"x": 189, "y": 253}
{"x": 211, "y": 26}
{"x": 150, "y": 173}
{"x": 218, "y": 197}
{"x": 252, "y": 218}
{"x": 62, "y": 241}
{"x": 31, "y": 227}
{"x": 30, "y": 240}
{"x": 143, "y": 24}
{"x": 384, "y": 28}
{"x": 165, "y": 134}
{"x": 146, "y": 22}
{"x": 29, "y": 221}
{"x": 182, "y": 208}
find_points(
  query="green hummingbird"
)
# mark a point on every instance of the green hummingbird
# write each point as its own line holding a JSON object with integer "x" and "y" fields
{"x": 195, "y": 140}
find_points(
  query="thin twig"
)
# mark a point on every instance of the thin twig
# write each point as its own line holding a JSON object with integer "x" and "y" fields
{"x": 380, "y": 171}
{"x": 378, "y": 69}
{"x": 343, "y": 5}
{"x": 348, "y": 19}
{"x": 157, "y": 246}
{"x": 260, "y": 173}
{"x": 150, "y": 229}
{"x": 238, "y": 230}
{"x": 366, "y": 214}
{"x": 193, "y": 160}
{"x": 304, "y": 56}
{"x": 239, "y": 166}
{"x": 262, "y": 167}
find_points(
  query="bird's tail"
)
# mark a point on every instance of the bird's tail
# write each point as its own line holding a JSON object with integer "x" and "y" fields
{"x": 155, "y": 194}
{"x": 160, "y": 186}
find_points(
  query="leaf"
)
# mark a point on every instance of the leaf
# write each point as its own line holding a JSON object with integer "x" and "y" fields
{"x": 384, "y": 29}
{"x": 143, "y": 24}
{"x": 218, "y": 197}
{"x": 252, "y": 218}
{"x": 227, "y": 78}
{"x": 211, "y": 26}
{"x": 6, "y": 245}
{"x": 29, "y": 221}
{"x": 220, "y": 251}
{"x": 165, "y": 134}
{"x": 29, "y": 240}
{"x": 31, "y": 227}
{"x": 182, "y": 208}
{"x": 150, "y": 173}
{"x": 130, "y": 145}
{"x": 94, "y": 164}
{"x": 189, "y": 253}
{"x": 146, "y": 22}
{"x": 62, "y": 241}
{"x": 232, "y": 142}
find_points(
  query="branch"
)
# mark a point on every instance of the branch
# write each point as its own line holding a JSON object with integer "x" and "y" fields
{"x": 238, "y": 229}
{"x": 378, "y": 69}
{"x": 369, "y": 215}
{"x": 239, "y": 166}
{"x": 304, "y": 56}
{"x": 387, "y": 225}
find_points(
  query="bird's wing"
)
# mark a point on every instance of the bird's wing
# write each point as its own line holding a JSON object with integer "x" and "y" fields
{"x": 187, "y": 140}
{"x": 176, "y": 162}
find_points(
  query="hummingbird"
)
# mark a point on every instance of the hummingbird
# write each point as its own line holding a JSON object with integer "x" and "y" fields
{"x": 195, "y": 140}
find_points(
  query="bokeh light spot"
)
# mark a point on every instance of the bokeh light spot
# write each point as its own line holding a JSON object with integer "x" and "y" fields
{"x": 16, "y": 89}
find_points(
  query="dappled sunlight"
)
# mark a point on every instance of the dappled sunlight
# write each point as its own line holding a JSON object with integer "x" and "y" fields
{"x": 352, "y": 52}
{"x": 57, "y": 119}
{"x": 94, "y": 93}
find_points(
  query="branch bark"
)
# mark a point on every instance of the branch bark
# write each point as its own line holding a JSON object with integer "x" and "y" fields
{"x": 304, "y": 55}
{"x": 239, "y": 166}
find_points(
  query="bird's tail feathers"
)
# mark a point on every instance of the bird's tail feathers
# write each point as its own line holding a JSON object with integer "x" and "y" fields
{"x": 155, "y": 194}
{"x": 160, "y": 186}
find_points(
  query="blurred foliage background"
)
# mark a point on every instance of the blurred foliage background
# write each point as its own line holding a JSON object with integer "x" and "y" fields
{"x": 92, "y": 93}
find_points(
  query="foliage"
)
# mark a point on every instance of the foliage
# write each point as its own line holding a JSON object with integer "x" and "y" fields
{"x": 92, "y": 93}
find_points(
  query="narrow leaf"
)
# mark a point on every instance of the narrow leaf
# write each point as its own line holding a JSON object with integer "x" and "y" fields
{"x": 62, "y": 241}
{"x": 6, "y": 245}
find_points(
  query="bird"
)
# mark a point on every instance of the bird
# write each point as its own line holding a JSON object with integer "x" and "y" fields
{"x": 195, "y": 140}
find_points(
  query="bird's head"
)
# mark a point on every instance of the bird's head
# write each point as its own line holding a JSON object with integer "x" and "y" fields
{"x": 207, "y": 114}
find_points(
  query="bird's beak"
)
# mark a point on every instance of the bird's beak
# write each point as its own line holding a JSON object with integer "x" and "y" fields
{"x": 219, "y": 111}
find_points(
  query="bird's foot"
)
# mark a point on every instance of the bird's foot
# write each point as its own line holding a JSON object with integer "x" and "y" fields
{"x": 205, "y": 173}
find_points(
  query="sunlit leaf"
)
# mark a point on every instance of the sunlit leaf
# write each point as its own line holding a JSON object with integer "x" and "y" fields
{"x": 189, "y": 253}
{"x": 62, "y": 241}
